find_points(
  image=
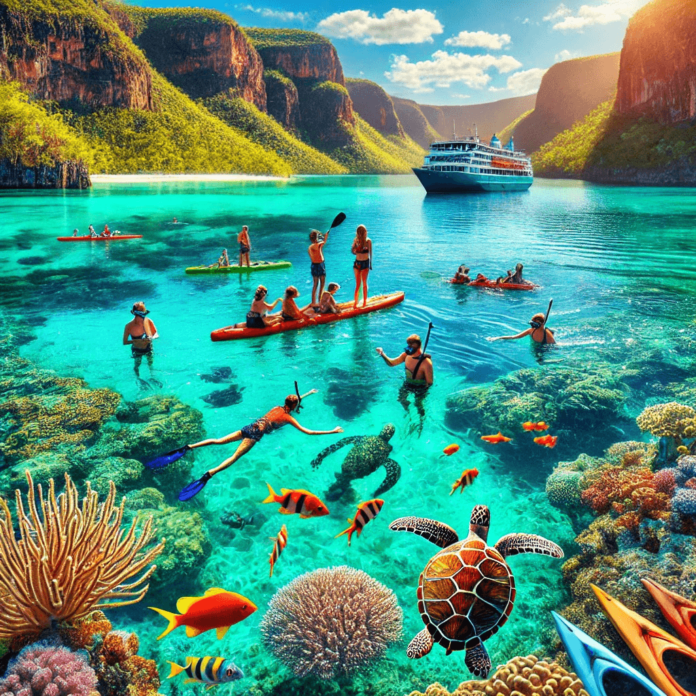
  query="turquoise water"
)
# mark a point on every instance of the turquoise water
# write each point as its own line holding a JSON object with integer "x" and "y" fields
{"x": 617, "y": 262}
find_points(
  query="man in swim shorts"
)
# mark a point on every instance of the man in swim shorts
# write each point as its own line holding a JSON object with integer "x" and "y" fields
{"x": 318, "y": 267}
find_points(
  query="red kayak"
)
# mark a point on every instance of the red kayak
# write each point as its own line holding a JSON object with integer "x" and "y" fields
{"x": 100, "y": 239}
{"x": 230, "y": 333}
{"x": 501, "y": 286}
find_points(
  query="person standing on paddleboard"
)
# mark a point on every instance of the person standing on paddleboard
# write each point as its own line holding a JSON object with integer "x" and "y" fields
{"x": 362, "y": 248}
{"x": 318, "y": 267}
{"x": 244, "y": 246}
{"x": 139, "y": 334}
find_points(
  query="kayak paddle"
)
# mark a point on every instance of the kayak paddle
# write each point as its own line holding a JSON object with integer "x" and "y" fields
{"x": 338, "y": 220}
{"x": 193, "y": 489}
{"x": 165, "y": 460}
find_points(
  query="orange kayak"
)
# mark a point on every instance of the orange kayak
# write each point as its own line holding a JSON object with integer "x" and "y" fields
{"x": 679, "y": 611}
{"x": 648, "y": 642}
{"x": 100, "y": 239}
{"x": 230, "y": 333}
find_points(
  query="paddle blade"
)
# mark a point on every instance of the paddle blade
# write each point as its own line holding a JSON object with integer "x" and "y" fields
{"x": 338, "y": 220}
{"x": 193, "y": 489}
{"x": 165, "y": 460}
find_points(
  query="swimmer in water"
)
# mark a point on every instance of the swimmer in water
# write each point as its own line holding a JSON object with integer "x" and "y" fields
{"x": 139, "y": 334}
{"x": 537, "y": 330}
{"x": 244, "y": 246}
{"x": 249, "y": 435}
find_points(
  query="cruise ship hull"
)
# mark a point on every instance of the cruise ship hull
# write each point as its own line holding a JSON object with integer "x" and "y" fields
{"x": 460, "y": 182}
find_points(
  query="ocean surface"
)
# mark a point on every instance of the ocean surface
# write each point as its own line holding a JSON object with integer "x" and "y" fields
{"x": 618, "y": 263}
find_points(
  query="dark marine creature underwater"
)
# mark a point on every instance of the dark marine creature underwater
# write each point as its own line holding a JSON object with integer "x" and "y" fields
{"x": 467, "y": 590}
{"x": 222, "y": 398}
{"x": 218, "y": 375}
{"x": 369, "y": 453}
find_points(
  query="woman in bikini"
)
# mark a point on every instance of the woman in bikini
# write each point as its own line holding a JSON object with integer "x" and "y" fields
{"x": 251, "y": 434}
{"x": 244, "y": 246}
{"x": 139, "y": 334}
{"x": 290, "y": 311}
{"x": 537, "y": 330}
{"x": 257, "y": 317}
{"x": 362, "y": 248}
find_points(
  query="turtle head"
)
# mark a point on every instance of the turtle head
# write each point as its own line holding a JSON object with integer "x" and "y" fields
{"x": 387, "y": 432}
{"x": 480, "y": 521}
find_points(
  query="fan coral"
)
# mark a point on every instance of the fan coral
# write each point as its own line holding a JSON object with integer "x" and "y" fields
{"x": 69, "y": 559}
{"x": 521, "y": 676}
{"x": 330, "y": 622}
{"x": 45, "y": 669}
{"x": 668, "y": 420}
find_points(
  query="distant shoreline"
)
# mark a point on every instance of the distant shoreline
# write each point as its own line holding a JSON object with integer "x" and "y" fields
{"x": 165, "y": 178}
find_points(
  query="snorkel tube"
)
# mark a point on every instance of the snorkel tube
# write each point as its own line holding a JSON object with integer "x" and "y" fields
{"x": 548, "y": 311}
{"x": 299, "y": 398}
{"x": 423, "y": 355}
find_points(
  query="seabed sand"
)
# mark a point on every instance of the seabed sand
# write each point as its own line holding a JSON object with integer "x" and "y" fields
{"x": 157, "y": 178}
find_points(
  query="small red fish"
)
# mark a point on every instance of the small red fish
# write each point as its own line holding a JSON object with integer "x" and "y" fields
{"x": 366, "y": 512}
{"x": 531, "y": 427}
{"x": 496, "y": 439}
{"x": 466, "y": 479}
{"x": 547, "y": 440}
{"x": 451, "y": 449}
{"x": 305, "y": 503}
{"x": 280, "y": 542}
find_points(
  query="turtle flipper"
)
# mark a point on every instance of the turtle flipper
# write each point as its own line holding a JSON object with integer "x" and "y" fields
{"x": 513, "y": 544}
{"x": 440, "y": 534}
{"x": 421, "y": 645}
{"x": 477, "y": 661}
{"x": 393, "y": 474}
{"x": 334, "y": 448}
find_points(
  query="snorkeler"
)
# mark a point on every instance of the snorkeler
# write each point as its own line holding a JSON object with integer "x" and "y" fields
{"x": 249, "y": 435}
{"x": 139, "y": 334}
{"x": 318, "y": 267}
{"x": 257, "y": 317}
{"x": 537, "y": 330}
{"x": 244, "y": 246}
{"x": 362, "y": 248}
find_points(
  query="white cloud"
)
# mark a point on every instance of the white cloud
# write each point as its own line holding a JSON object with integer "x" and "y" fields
{"x": 565, "y": 54}
{"x": 479, "y": 39}
{"x": 525, "y": 81}
{"x": 445, "y": 69}
{"x": 526, "y": 20}
{"x": 589, "y": 15}
{"x": 395, "y": 27}
{"x": 280, "y": 15}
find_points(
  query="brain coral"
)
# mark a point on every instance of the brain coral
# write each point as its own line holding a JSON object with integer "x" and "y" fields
{"x": 330, "y": 622}
{"x": 522, "y": 676}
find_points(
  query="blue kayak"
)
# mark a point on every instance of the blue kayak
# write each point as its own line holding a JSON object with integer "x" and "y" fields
{"x": 601, "y": 671}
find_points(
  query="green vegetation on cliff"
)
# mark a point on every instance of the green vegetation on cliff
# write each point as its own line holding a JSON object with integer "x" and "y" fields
{"x": 155, "y": 18}
{"x": 265, "y": 131}
{"x": 271, "y": 38}
{"x": 509, "y": 130}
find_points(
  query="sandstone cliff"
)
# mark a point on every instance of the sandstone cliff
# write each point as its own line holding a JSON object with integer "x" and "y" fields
{"x": 282, "y": 100}
{"x": 375, "y": 106}
{"x": 658, "y": 63}
{"x": 72, "y": 58}
{"x": 203, "y": 52}
{"x": 569, "y": 91}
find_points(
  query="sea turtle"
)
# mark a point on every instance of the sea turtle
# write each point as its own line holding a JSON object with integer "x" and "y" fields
{"x": 368, "y": 454}
{"x": 467, "y": 591}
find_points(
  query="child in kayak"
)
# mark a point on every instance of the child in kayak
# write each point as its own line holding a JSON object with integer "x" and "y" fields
{"x": 249, "y": 435}
{"x": 516, "y": 277}
{"x": 257, "y": 317}
{"x": 328, "y": 303}
{"x": 244, "y": 246}
{"x": 507, "y": 279}
{"x": 462, "y": 275}
{"x": 537, "y": 330}
{"x": 222, "y": 262}
{"x": 139, "y": 334}
{"x": 290, "y": 311}
{"x": 318, "y": 267}
{"x": 92, "y": 231}
{"x": 75, "y": 232}
{"x": 106, "y": 232}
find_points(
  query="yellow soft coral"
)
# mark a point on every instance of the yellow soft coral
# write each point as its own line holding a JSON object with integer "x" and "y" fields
{"x": 668, "y": 420}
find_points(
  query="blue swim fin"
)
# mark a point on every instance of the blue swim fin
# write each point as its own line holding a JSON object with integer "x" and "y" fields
{"x": 601, "y": 671}
{"x": 165, "y": 460}
{"x": 193, "y": 489}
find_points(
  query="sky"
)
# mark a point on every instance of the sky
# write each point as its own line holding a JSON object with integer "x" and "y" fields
{"x": 444, "y": 52}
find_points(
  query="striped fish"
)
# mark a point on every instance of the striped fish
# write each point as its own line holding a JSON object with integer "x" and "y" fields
{"x": 291, "y": 501}
{"x": 466, "y": 479}
{"x": 366, "y": 512}
{"x": 207, "y": 670}
{"x": 280, "y": 542}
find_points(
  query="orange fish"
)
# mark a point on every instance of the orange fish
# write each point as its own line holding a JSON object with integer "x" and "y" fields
{"x": 366, "y": 512}
{"x": 304, "y": 502}
{"x": 451, "y": 449}
{"x": 547, "y": 440}
{"x": 216, "y": 609}
{"x": 496, "y": 439}
{"x": 531, "y": 427}
{"x": 280, "y": 542}
{"x": 466, "y": 479}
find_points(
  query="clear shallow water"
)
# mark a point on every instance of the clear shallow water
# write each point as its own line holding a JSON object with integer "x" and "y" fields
{"x": 619, "y": 264}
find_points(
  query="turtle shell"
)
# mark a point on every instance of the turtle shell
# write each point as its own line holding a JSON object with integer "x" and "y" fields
{"x": 465, "y": 594}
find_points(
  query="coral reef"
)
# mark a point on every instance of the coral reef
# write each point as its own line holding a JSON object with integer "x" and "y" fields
{"x": 70, "y": 557}
{"x": 521, "y": 676}
{"x": 331, "y": 622}
{"x": 47, "y": 669}
{"x": 673, "y": 423}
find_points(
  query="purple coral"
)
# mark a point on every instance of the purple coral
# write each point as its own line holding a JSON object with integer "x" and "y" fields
{"x": 664, "y": 481}
{"x": 686, "y": 469}
{"x": 46, "y": 669}
{"x": 684, "y": 501}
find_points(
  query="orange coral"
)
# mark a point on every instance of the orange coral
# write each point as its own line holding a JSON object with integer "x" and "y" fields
{"x": 615, "y": 485}
{"x": 81, "y": 634}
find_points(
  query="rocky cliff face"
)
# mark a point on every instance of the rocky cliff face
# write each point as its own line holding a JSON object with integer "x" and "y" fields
{"x": 66, "y": 175}
{"x": 202, "y": 52}
{"x": 658, "y": 63}
{"x": 375, "y": 106}
{"x": 73, "y": 60}
{"x": 282, "y": 100}
{"x": 326, "y": 113}
{"x": 316, "y": 62}
{"x": 568, "y": 92}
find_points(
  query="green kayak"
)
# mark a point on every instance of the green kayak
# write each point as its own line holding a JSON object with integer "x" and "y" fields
{"x": 256, "y": 266}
